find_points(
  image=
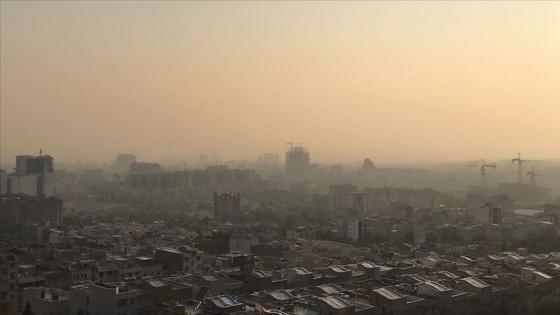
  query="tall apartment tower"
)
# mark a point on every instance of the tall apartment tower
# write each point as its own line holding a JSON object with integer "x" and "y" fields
{"x": 32, "y": 176}
{"x": 341, "y": 196}
{"x": 297, "y": 163}
{"x": 226, "y": 207}
{"x": 144, "y": 168}
{"x": 123, "y": 161}
{"x": 27, "y": 164}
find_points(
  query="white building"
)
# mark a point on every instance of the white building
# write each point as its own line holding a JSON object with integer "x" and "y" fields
{"x": 354, "y": 229}
{"x": 33, "y": 176}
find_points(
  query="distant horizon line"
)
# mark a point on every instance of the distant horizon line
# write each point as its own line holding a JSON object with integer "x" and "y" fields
{"x": 212, "y": 162}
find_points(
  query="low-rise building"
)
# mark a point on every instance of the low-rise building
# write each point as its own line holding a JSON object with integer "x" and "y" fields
{"x": 47, "y": 301}
{"x": 179, "y": 259}
{"x": 102, "y": 299}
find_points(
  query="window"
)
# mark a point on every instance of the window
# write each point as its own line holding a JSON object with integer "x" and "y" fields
{"x": 132, "y": 301}
{"x": 121, "y": 302}
{"x": 87, "y": 301}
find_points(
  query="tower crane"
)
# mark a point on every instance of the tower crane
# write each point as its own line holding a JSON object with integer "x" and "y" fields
{"x": 533, "y": 176}
{"x": 466, "y": 164}
{"x": 483, "y": 171}
{"x": 520, "y": 167}
{"x": 292, "y": 144}
{"x": 476, "y": 163}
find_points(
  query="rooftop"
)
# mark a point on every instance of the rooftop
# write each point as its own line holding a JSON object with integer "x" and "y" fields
{"x": 335, "y": 302}
{"x": 301, "y": 271}
{"x": 389, "y": 294}
{"x": 475, "y": 282}
{"x": 224, "y": 301}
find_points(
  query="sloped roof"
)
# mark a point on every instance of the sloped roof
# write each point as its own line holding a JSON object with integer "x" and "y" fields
{"x": 335, "y": 302}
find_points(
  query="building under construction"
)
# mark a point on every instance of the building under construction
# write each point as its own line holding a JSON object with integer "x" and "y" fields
{"x": 524, "y": 193}
{"x": 297, "y": 163}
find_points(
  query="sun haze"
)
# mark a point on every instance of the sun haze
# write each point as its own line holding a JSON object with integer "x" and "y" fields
{"x": 390, "y": 80}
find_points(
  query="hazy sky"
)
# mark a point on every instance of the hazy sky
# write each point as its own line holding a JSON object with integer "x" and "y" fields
{"x": 386, "y": 80}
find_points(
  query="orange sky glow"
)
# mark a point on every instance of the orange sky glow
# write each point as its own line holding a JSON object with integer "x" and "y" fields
{"x": 394, "y": 81}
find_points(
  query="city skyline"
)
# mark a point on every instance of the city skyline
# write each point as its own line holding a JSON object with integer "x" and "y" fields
{"x": 392, "y": 81}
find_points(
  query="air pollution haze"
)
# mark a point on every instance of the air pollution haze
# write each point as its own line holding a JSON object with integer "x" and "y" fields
{"x": 395, "y": 81}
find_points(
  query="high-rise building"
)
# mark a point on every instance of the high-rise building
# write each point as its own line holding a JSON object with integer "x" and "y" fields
{"x": 297, "y": 163}
{"x": 22, "y": 210}
{"x": 381, "y": 198}
{"x": 123, "y": 161}
{"x": 267, "y": 160}
{"x": 367, "y": 165}
{"x": 367, "y": 169}
{"x": 3, "y": 182}
{"x": 359, "y": 201}
{"x": 32, "y": 176}
{"x": 144, "y": 168}
{"x": 488, "y": 213}
{"x": 226, "y": 207}
{"x": 341, "y": 196}
{"x": 27, "y": 164}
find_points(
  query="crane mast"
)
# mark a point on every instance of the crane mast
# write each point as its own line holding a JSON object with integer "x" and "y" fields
{"x": 520, "y": 166}
{"x": 483, "y": 172}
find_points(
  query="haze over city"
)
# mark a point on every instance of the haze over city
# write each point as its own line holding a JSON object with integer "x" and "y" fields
{"x": 394, "y": 81}
{"x": 279, "y": 157}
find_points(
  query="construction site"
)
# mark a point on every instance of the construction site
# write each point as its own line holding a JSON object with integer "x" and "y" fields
{"x": 525, "y": 188}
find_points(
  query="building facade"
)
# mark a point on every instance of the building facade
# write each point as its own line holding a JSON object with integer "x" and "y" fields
{"x": 102, "y": 299}
{"x": 226, "y": 207}
{"x": 33, "y": 176}
{"x": 297, "y": 163}
{"x": 340, "y": 196}
{"x": 23, "y": 210}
